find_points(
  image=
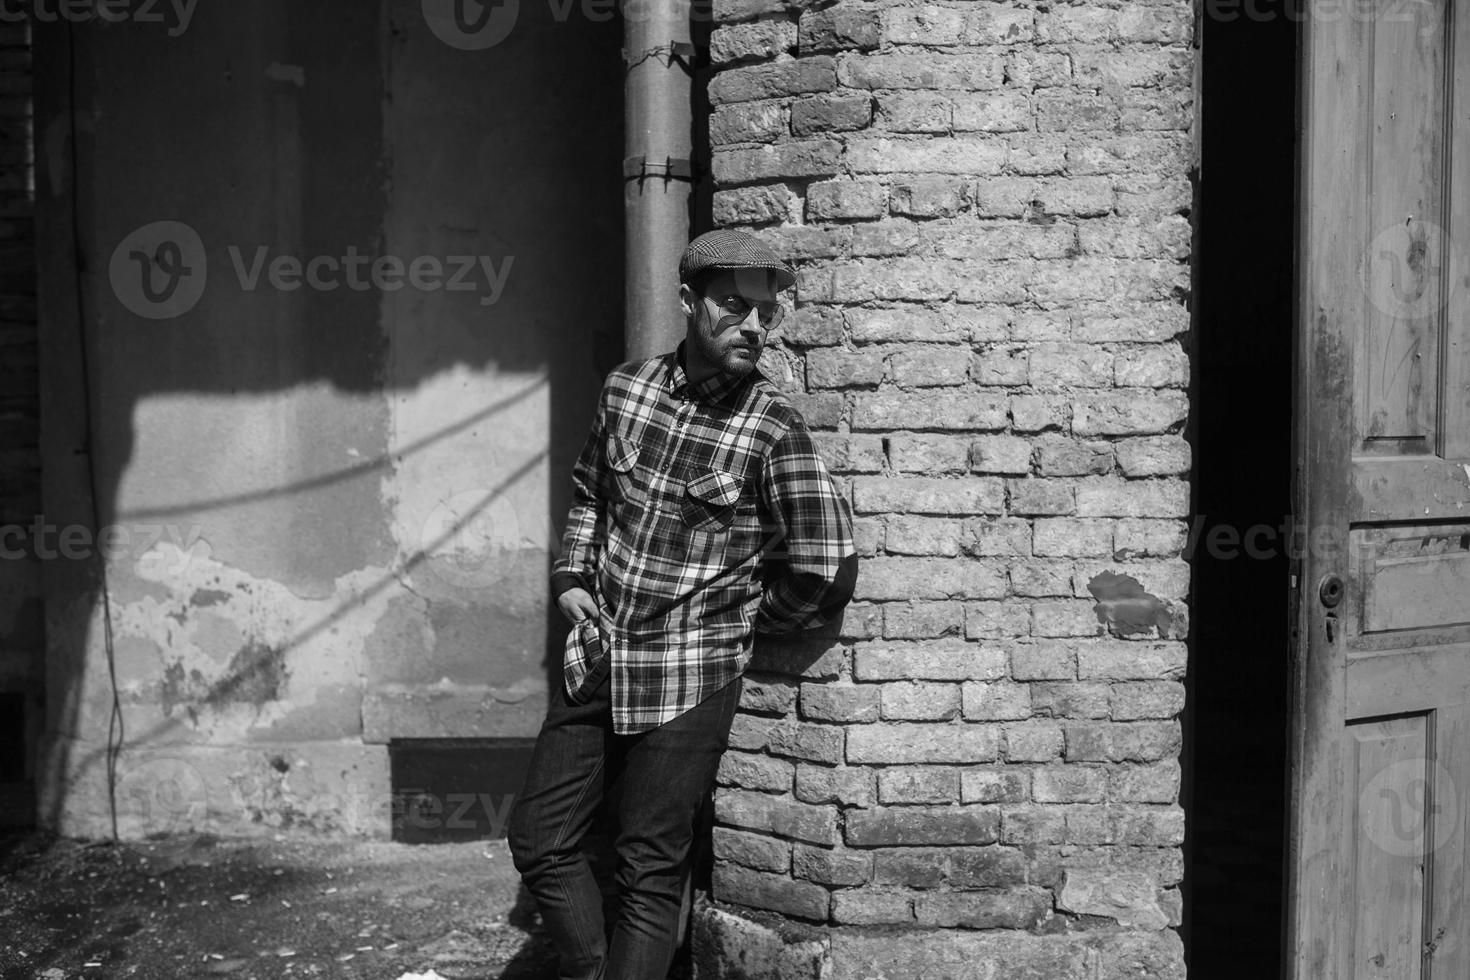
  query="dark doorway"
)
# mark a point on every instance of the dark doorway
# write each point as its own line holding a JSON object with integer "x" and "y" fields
{"x": 1236, "y": 721}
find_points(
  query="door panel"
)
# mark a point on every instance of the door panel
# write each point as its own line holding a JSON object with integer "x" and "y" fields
{"x": 1381, "y": 653}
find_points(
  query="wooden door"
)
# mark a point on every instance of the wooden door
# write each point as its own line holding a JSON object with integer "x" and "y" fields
{"x": 1381, "y": 655}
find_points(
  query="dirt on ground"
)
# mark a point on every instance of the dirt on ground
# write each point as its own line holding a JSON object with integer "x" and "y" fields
{"x": 181, "y": 908}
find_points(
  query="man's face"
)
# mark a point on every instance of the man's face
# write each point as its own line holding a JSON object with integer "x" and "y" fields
{"x": 720, "y": 339}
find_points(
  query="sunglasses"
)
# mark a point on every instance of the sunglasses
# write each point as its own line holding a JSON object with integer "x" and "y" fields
{"x": 735, "y": 308}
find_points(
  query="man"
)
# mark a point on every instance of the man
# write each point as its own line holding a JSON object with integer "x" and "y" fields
{"x": 701, "y": 515}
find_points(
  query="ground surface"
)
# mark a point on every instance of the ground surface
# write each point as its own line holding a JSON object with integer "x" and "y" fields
{"x": 200, "y": 907}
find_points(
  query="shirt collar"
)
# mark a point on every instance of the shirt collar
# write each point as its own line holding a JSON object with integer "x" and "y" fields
{"x": 711, "y": 389}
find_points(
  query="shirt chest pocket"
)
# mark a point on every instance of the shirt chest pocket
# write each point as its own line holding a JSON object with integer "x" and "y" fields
{"x": 622, "y": 460}
{"x": 711, "y": 500}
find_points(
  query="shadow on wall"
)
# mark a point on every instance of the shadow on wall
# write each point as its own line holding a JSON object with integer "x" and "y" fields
{"x": 347, "y": 287}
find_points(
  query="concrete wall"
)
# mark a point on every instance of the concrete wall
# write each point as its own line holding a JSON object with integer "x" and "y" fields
{"x": 989, "y": 205}
{"x": 20, "y": 458}
{"x": 334, "y": 500}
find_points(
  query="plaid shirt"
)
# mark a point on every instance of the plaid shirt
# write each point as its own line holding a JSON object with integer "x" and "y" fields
{"x": 701, "y": 514}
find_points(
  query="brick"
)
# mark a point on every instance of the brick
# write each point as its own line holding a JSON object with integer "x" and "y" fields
{"x": 834, "y": 367}
{"x": 801, "y": 242}
{"x": 831, "y": 113}
{"x": 750, "y": 205}
{"x": 763, "y": 39}
{"x": 1016, "y": 908}
{"x": 750, "y": 123}
{"x": 1063, "y": 618}
{"x": 1145, "y": 324}
{"x": 1148, "y": 826}
{"x": 842, "y": 199}
{"x": 862, "y": 620}
{"x": 1119, "y": 660}
{"x": 1155, "y": 783}
{"x": 986, "y": 867}
{"x": 751, "y": 850}
{"x": 1007, "y": 784}
{"x": 1031, "y": 825}
{"x": 918, "y": 784}
{"x": 909, "y": 535}
{"x": 935, "y": 825}
{"x": 909, "y": 453}
{"x": 800, "y": 656}
{"x": 1112, "y": 497}
{"x": 928, "y": 367}
{"x": 889, "y": 279}
{"x": 886, "y": 579}
{"x": 1043, "y": 662}
{"x": 960, "y": 411}
{"x": 777, "y": 815}
{"x": 970, "y": 661}
{"x": 930, "y": 197}
{"x": 764, "y": 890}
{"x": 1032, "y": 741}
{"x": 926, "y": 495}
{"x": 915, "y": 112}
{"x": 932, "y": 155}
{"x": 821, "y": 410}
{"x": 863, "y": 907}
{"x": 997, "y": 537}
{"x": 1133, "y": 66}
{"x": 1134, "y": 700}
{"x": 920, "y": 701}
{"x": 773, "y": 80}
{"x": 806, "y": 158}
{"x": 923, "y": 620}
{"x": 1125, "y": 154}
{"x": 1038, "y": 69}
{"x": 999, "y": 367}
{"x": 997, "y": 620}
{"x": 993, "y": 112}
{"x": 1037, "y": 496}
{"x": 1014, "y": 197}
{"x": 912, "y": 867}
{"x": 1129, "y": 898}
{"x": 922, "y": 71}
{"x": 841, "y": 785}
{"x": 1143, "y": 538}
{"x": 811, "y": 326}
{"x": 734, "y": 11}
{"x": 843, "y": 27}
{"x": 1089, "y": 824}
{"x": 1039, "y": 579}
{"x": 884, "y": 238}
{"x": 1075, "y": 112}
{"x": 997, "y": 701}
{"x": 849, "y": 454}
{"x": 1060, "y": 456}
{"x": 1139, "y": 741}
{"x": 987, "y": 281}
{"x": 1136, "y": 411}
{"x": 1071, "y": 699}
{"x": 1154, "y": 456}
{"x": 1037, "y": 413}
{"x": 748, "y": 732}
{"x": 1071, "y": 366}
{"x": 772, "y": 695}
{"x": 1072, "y": 537}
{"x": 758, "y": 772}
{"x": 899, "y": 324}
{"x": 927, "y": 25}
{"x": 831, "y": 867}
{"x": 1069, "y": 784}
{"x": 839, "y": 702}
{"x": 904, "y": 742}
{"x": 813, "y": 743}
{"x": 1137, "y": 238}
{"x": 1153, "y": 194}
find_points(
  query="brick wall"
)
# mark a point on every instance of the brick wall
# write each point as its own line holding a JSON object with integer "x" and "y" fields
{"x": 989, "y": 206}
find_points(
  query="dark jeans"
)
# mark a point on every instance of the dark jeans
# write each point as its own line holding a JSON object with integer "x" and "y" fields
{"x": 655, "y": 782}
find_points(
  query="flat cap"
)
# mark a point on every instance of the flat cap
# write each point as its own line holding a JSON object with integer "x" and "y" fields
{"x": 726, "y": 249}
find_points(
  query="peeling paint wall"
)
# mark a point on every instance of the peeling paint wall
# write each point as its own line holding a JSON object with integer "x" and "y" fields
{"x": 335, "y": 507}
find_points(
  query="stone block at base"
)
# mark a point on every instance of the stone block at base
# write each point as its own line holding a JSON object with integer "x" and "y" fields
{"x": 737, "y": 944}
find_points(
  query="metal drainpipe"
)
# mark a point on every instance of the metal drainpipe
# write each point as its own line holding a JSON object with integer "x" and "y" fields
{"x": 657, "y": 176}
